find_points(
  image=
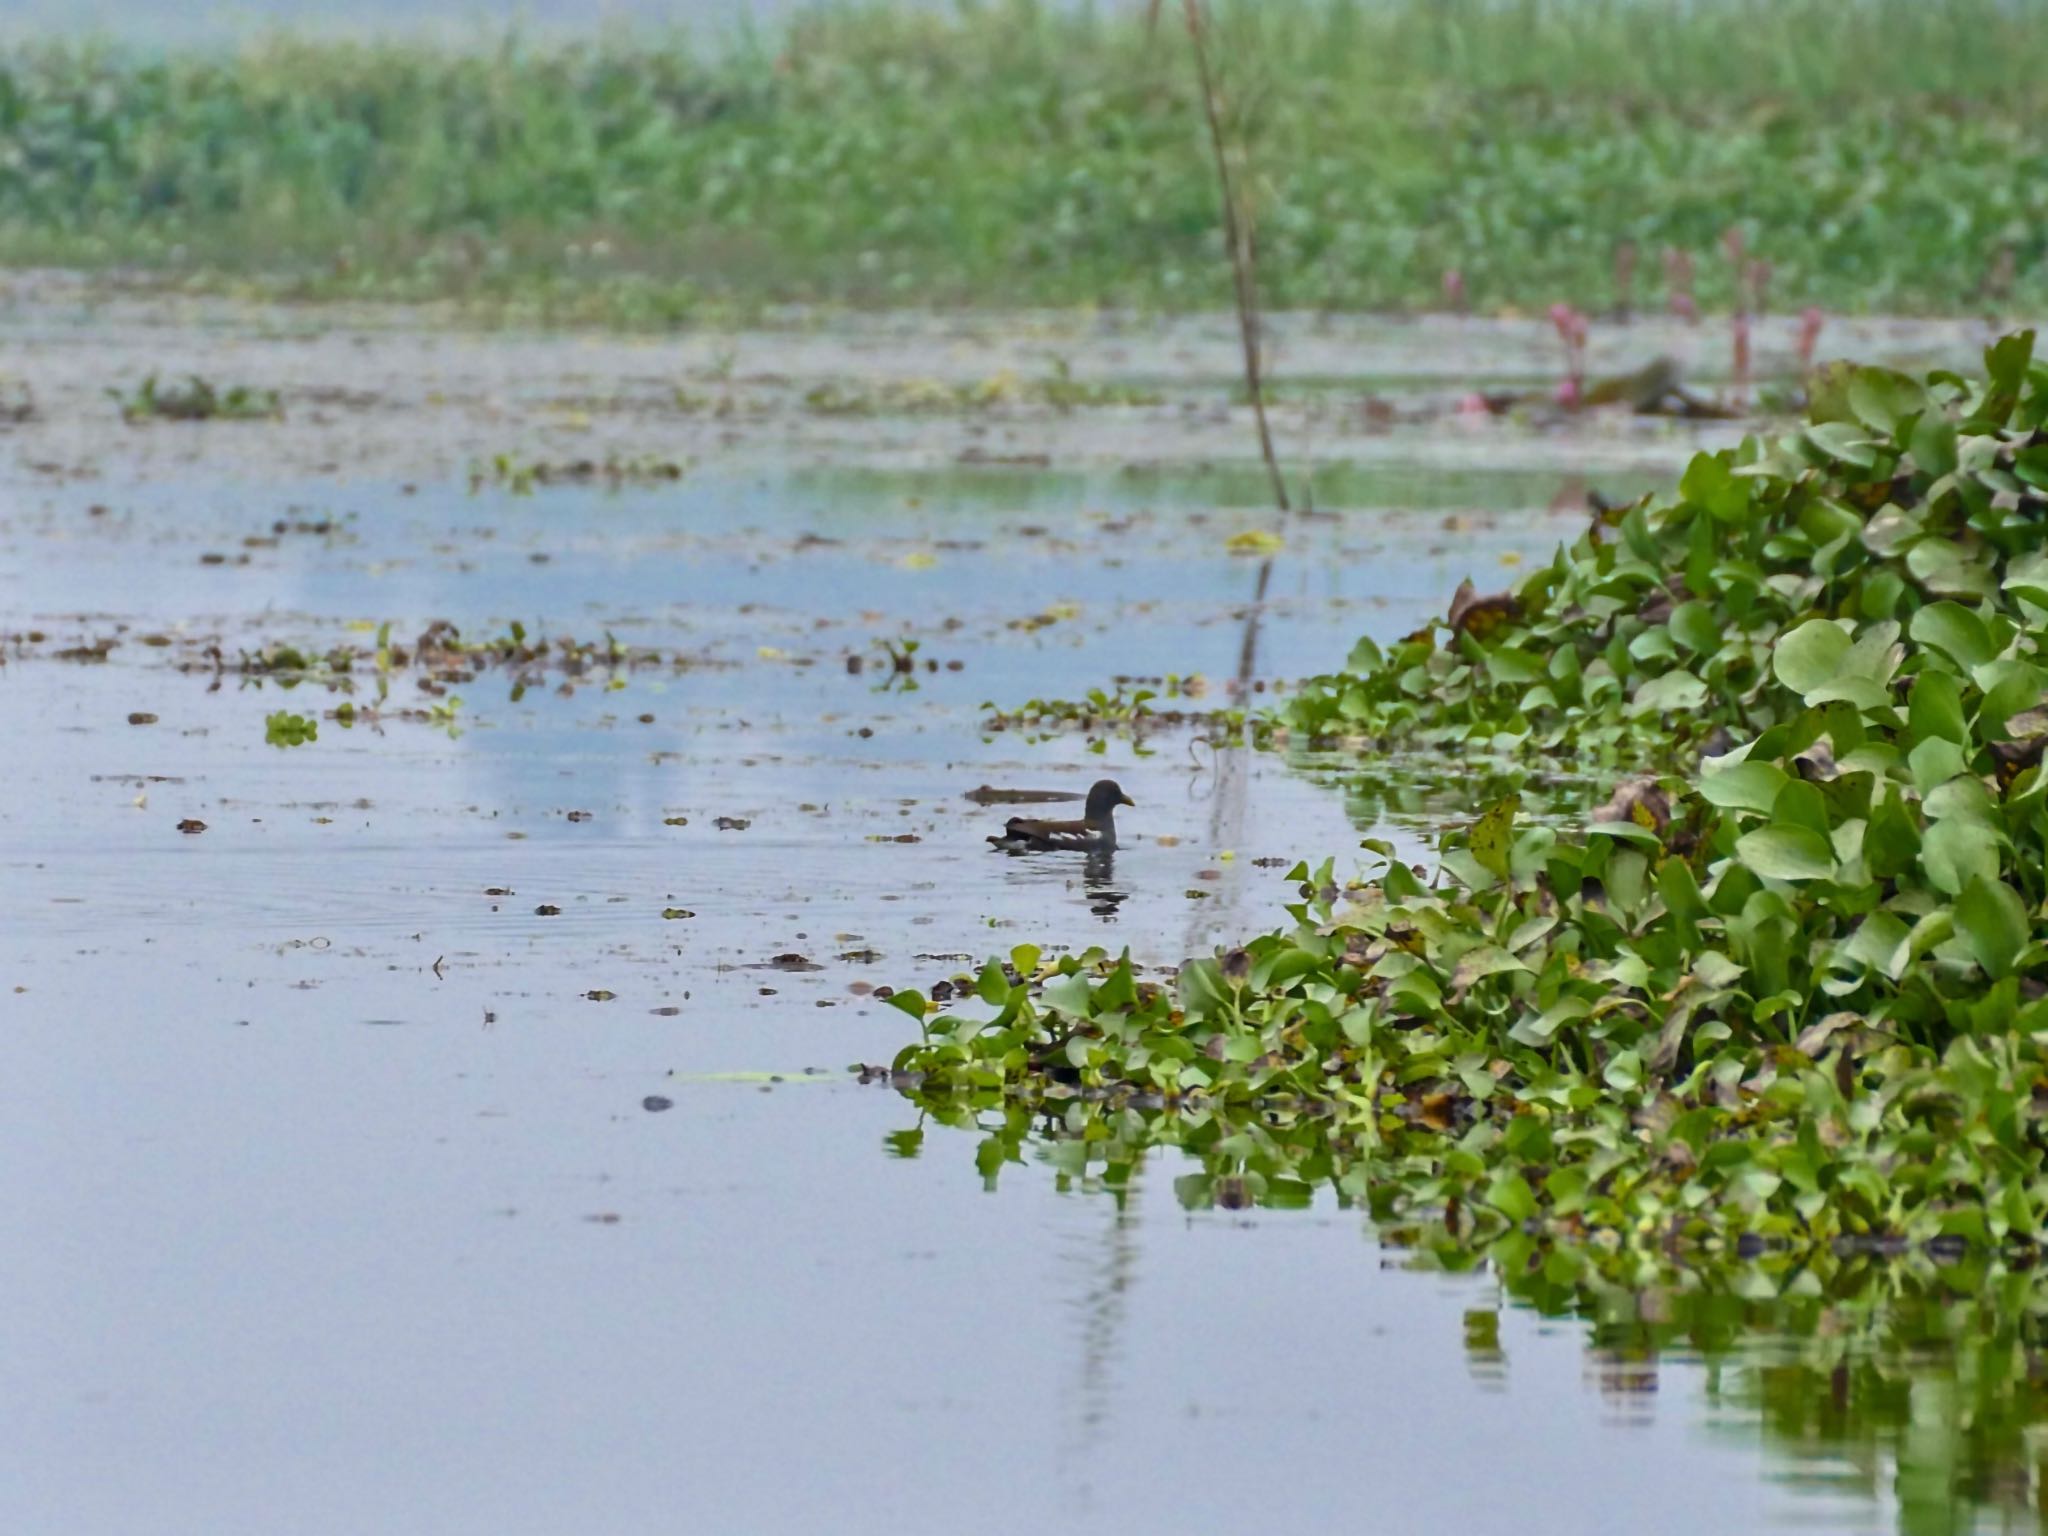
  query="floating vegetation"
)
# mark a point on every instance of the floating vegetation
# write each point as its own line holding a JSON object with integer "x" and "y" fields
{"x": 283, "y": 729}
{"x": 445, "y": 714}
{"x": 523, "y": 477}
{"x": 723, "y": 405}
{"x": 1063, "y": 392}
{"x": 912, "y": 397}
{"x": 1100, "y": 714}
{"x": 439, "y": 659}
{"x": 280, "y": 658}
{"x": 1654, "y": 389}
{"x": 441, "y": 655}
{"x": 1125, "y": 711}
{"x": 196, "y": 399}
{"x": 900, "y": 655}
{"x": 1799, "y": 998}
{"x": 1258, "y": 542}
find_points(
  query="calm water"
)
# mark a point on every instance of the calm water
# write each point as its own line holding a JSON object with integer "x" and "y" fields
{"x": 337, "y": 1204}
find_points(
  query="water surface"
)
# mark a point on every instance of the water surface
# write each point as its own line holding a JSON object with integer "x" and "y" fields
{"x": 350, "y": 1191}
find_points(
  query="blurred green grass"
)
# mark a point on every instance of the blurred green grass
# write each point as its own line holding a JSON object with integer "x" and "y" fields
{"x": 1881, "y": 154}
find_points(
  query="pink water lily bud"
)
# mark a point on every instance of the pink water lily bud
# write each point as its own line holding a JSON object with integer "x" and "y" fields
{"x": 1571, "y": 324}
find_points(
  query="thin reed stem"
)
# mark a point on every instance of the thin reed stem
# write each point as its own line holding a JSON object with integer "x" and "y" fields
{"x": 1237, "y": 235}
{"x": 1238, "y": 238}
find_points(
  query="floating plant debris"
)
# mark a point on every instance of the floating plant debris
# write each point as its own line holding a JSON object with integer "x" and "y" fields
{"x": 195, "y": 399}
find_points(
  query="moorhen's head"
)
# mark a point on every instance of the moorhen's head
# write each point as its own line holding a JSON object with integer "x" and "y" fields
{"x": 1104, "y": 798}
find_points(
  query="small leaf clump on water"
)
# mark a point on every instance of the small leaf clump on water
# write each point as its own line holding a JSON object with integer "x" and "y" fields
{"x": 195, "y": 399}
{"x": 284, "y": 729}
{"x": 1797, "y": 994}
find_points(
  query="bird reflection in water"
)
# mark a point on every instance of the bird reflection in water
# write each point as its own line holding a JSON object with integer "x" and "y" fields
{"x": 1098, "y": 881}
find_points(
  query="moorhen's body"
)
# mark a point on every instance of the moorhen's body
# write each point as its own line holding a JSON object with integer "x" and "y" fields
{"x": 1095, "y": 832}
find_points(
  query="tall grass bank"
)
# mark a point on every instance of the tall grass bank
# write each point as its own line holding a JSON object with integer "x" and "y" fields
{"x": 1882, "y": 155}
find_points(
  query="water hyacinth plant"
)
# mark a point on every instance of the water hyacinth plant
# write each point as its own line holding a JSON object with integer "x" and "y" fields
{"x": 1652, "y": 635}
{"x": 1792, "y": 992}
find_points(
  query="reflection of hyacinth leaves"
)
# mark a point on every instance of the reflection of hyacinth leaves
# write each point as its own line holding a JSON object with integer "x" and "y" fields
{"x": 1920, "y": 1371}
{"x": 1804, "y": 995}
{"x": 1654, "y": 633}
